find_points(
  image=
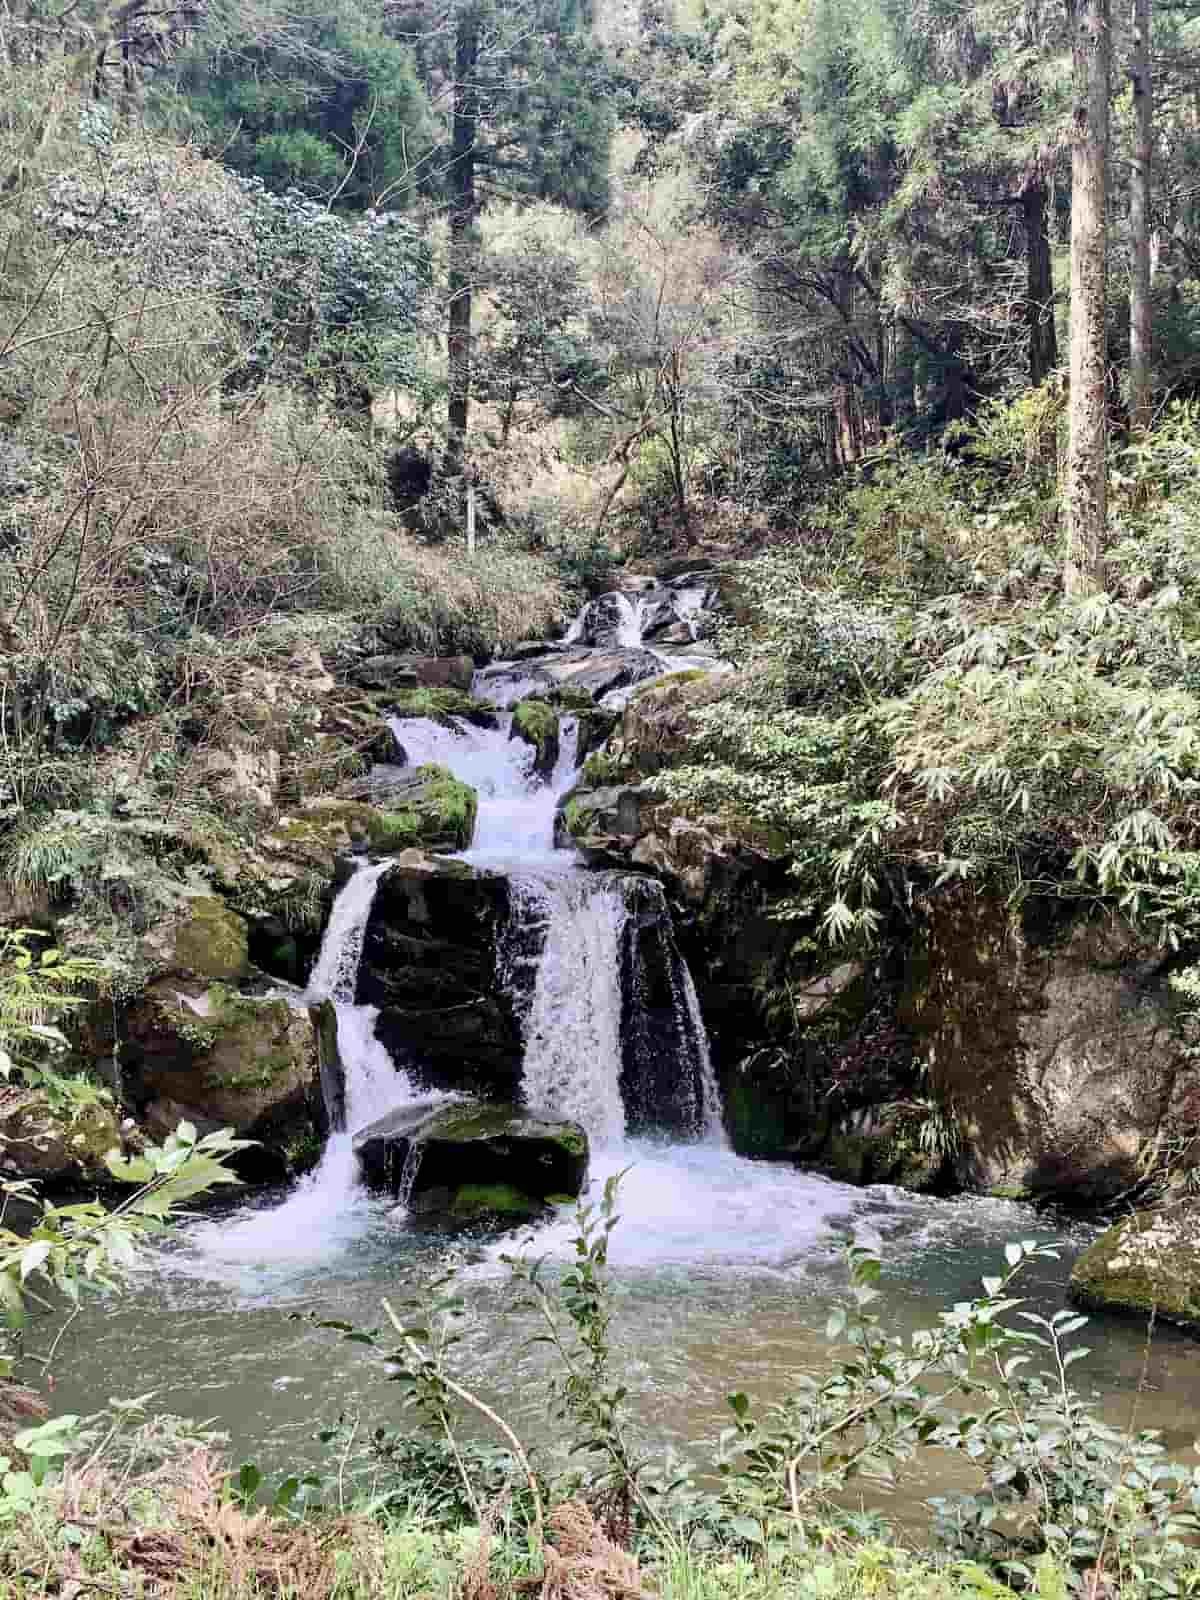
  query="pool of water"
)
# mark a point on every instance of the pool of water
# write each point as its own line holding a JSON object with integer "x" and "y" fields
{"x": 725, "y": 1271}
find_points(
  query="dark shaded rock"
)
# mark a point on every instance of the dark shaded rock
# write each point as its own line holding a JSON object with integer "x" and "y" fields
{"x": 431, "y": 964}
{"x": 330, "y": 1067}
{"x": 531, "y": 649}
{"x": 663, "y": 1044}
{"x": 392, "y": 674}
{"x": 1056, "y": 1041}
{"x": 37, "y": 1141}
{"x": 483, "y": 1158}
{"x": 885, "y": 1144}
{"x": 387, "y": 674}
{"x": 601, "y": 823}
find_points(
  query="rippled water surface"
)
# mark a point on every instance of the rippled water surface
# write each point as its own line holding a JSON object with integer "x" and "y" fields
{"x": 725, "y": 1272}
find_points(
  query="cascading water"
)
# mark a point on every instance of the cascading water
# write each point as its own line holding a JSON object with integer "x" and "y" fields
{"x": 611, "y": 1025}
{"x": 324, "y": 1209}
{"x": 573, "y": 1027}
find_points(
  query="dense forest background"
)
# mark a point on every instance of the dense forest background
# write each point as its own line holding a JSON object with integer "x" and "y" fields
{"x": 299, "y": 302}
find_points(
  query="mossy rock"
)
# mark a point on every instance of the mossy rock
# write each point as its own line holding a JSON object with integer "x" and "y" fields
{"x": 428, "y": 808}
{"x": 38, "y": 1141}
{"x": 432, "y": 810}
{"x": 476, "y": 1145}
{"x": 207, "y": 940}
{"x": 480, "y": 1201}
{"x": 1146, "y": 1265}
{"x": 220, "y": 1058}
{"x": 443, "y": 704}
{"x": 536, "y": 722}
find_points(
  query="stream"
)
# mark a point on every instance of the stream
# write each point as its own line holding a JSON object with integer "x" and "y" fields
{"x": 725, "y": 1267}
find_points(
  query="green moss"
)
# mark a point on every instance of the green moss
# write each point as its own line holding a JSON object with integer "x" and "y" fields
{"x": 536, "y": 723}
{"x": 438, "y": 704}
{"x": 574, "y": 816}
{"x": 495, "y": 1121}
{"x": 394, "y": 830}
{"x": 492, "y": 1199}
{"x": 440, "y": 816}
{"x": 601, "y": 769}
{"x": 568, "y": 699}
{"x": 670, "y": 680}
{"x": 212, "y": 941}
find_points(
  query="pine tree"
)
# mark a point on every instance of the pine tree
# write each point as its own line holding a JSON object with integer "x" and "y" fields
{"x": 528, "y": 118}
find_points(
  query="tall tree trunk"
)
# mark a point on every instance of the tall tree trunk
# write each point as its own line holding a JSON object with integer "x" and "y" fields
{"x": 1039, "y": 281}
{"x": 1087, "y": 487}
{"x": 463, "y": 215}
{"x": 1140, "y": 322}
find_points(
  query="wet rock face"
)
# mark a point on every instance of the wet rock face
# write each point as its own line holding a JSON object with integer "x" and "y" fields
{"x": 474, "y": 1159}
{"x": 1058, "y": 1049}
{"x": 430, "y": 965}
{"x": 660, "y": 1046}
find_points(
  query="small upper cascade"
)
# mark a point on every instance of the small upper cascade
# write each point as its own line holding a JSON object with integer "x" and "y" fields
{"x": 613, "y": 620}
{"x": 515, "y": 822}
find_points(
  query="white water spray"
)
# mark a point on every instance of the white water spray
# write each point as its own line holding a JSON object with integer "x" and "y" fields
{"x": 573, "y": 1029}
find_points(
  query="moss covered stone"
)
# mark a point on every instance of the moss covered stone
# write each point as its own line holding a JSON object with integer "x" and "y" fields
{"x": 435, "y": 810}
{"x": 427, "y": 808}
{"x": 1146, "y": 1264}
{"x": 220, "y": 1058}
{"x": 476, "y": 1145}
{"x": 441, "y": 704}
{"x": 536, "y": 723}
{"x": 206, "y": 939}
{"x": 478, "y": 1201}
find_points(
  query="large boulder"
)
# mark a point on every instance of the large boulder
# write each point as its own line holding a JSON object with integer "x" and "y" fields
{"x": 1147, "y": 1265}
{"x": 474, "y": 1159}
{"x": 659, "y": 722}
{"x": 219, "y": 1059}
{"x": 601, "y": 672}
{"x": 1056, "y": 1042}
{"x": 433, "y": 963}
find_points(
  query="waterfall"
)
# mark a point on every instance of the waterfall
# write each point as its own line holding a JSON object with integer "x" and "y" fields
{"x": 337, "y": 964}
{"x": 573, "y": 1055}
